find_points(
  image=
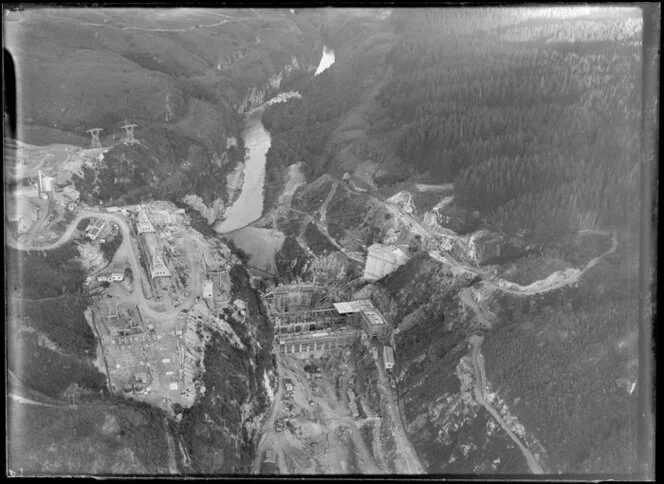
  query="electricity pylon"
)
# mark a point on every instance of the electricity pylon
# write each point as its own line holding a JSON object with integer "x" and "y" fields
{"x": 96, "y": 142}
{"x": 129, "y": 134}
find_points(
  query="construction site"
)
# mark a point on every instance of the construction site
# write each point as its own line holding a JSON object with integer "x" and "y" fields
{"x": 321, "y": 421}
{"x": 41, "y": 192}
{"x": 153, "y": 332}
{"x": 307, "y": 323}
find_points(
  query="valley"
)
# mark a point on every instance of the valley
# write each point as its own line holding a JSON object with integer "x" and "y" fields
{"x": 341, "y": 241}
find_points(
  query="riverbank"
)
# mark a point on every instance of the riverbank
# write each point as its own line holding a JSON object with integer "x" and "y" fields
{"x": 249, "y": 205}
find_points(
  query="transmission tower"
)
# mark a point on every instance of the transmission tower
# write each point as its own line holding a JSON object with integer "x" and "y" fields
{"x": 96, "y": 142}
{"x": 129, "y": 134}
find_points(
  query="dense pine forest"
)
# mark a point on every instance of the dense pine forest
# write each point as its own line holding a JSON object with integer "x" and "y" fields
{"x": 537, "y": 122}
{"x": 533, "y": 114}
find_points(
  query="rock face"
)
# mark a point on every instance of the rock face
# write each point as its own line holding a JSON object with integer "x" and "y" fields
{"x": 210, "y": 213}
{"x": 234, "y": 182}
{"x": 219, "y": 431}
{"x": 449, "y": 429}
{"x": 257, "y": 95}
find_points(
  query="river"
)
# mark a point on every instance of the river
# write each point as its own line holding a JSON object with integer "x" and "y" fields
{"x": 249, "y": 206}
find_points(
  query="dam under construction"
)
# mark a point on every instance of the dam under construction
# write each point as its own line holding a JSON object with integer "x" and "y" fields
{"x": 308, "y": 323}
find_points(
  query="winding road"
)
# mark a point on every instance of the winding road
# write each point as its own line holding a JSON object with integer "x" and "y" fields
{"x": 407, "y": 459}
{"x": 126, "y": 250}
{"x": 478, "y": 364}
{"x": 467, "y": 299}
{"x": 27, "y": 401}
{"x": 444, "y": 256}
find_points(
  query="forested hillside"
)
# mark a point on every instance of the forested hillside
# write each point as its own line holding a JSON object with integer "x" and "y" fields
{"x": 305, "y": 130}
{"x": 51, "y": 349}
{"x": 534, "y": 117}
{"x": 181, "y": 76}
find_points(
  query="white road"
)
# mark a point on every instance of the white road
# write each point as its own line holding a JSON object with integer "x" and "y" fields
{"x": 126, "y": 250}
{"x": 407, "y": 460}
{"x": 27, "y": 401}
{"x": 467, "y": 299}
{"x": 478, "y": 363}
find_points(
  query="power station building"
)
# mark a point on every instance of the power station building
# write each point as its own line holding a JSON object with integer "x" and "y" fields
{"x": 302, "y": 330}
{"x": 369, "y": 318}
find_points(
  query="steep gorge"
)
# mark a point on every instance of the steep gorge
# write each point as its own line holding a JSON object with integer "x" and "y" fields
{"x": 346, "y": 122}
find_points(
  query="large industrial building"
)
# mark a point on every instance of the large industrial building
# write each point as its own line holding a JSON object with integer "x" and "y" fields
{"x": 150, "y": 246}
{"x": 302, "y": 329}
{"x": 369, "y": 318}
{"x": 316, "y": 343}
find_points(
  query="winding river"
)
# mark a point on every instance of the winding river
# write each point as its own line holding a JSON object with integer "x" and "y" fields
{"x": 249, "y": 206}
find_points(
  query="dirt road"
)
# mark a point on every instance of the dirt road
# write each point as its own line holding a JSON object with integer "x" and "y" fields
{"x": 172, "y": 464}
{"x": 27, "y": 401}
{"x": 126, "y": 251}
{"x": 467, "y": 299}
{"x": 564, "y": 279}
{"x": 478, "y": 363}
{"x": 407, "y": 461}
{"x": 270, "y": 439}
{"x": 331, "y": 419}
{"x": 538, "y": 287}
{"x": 323, "y": 208}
